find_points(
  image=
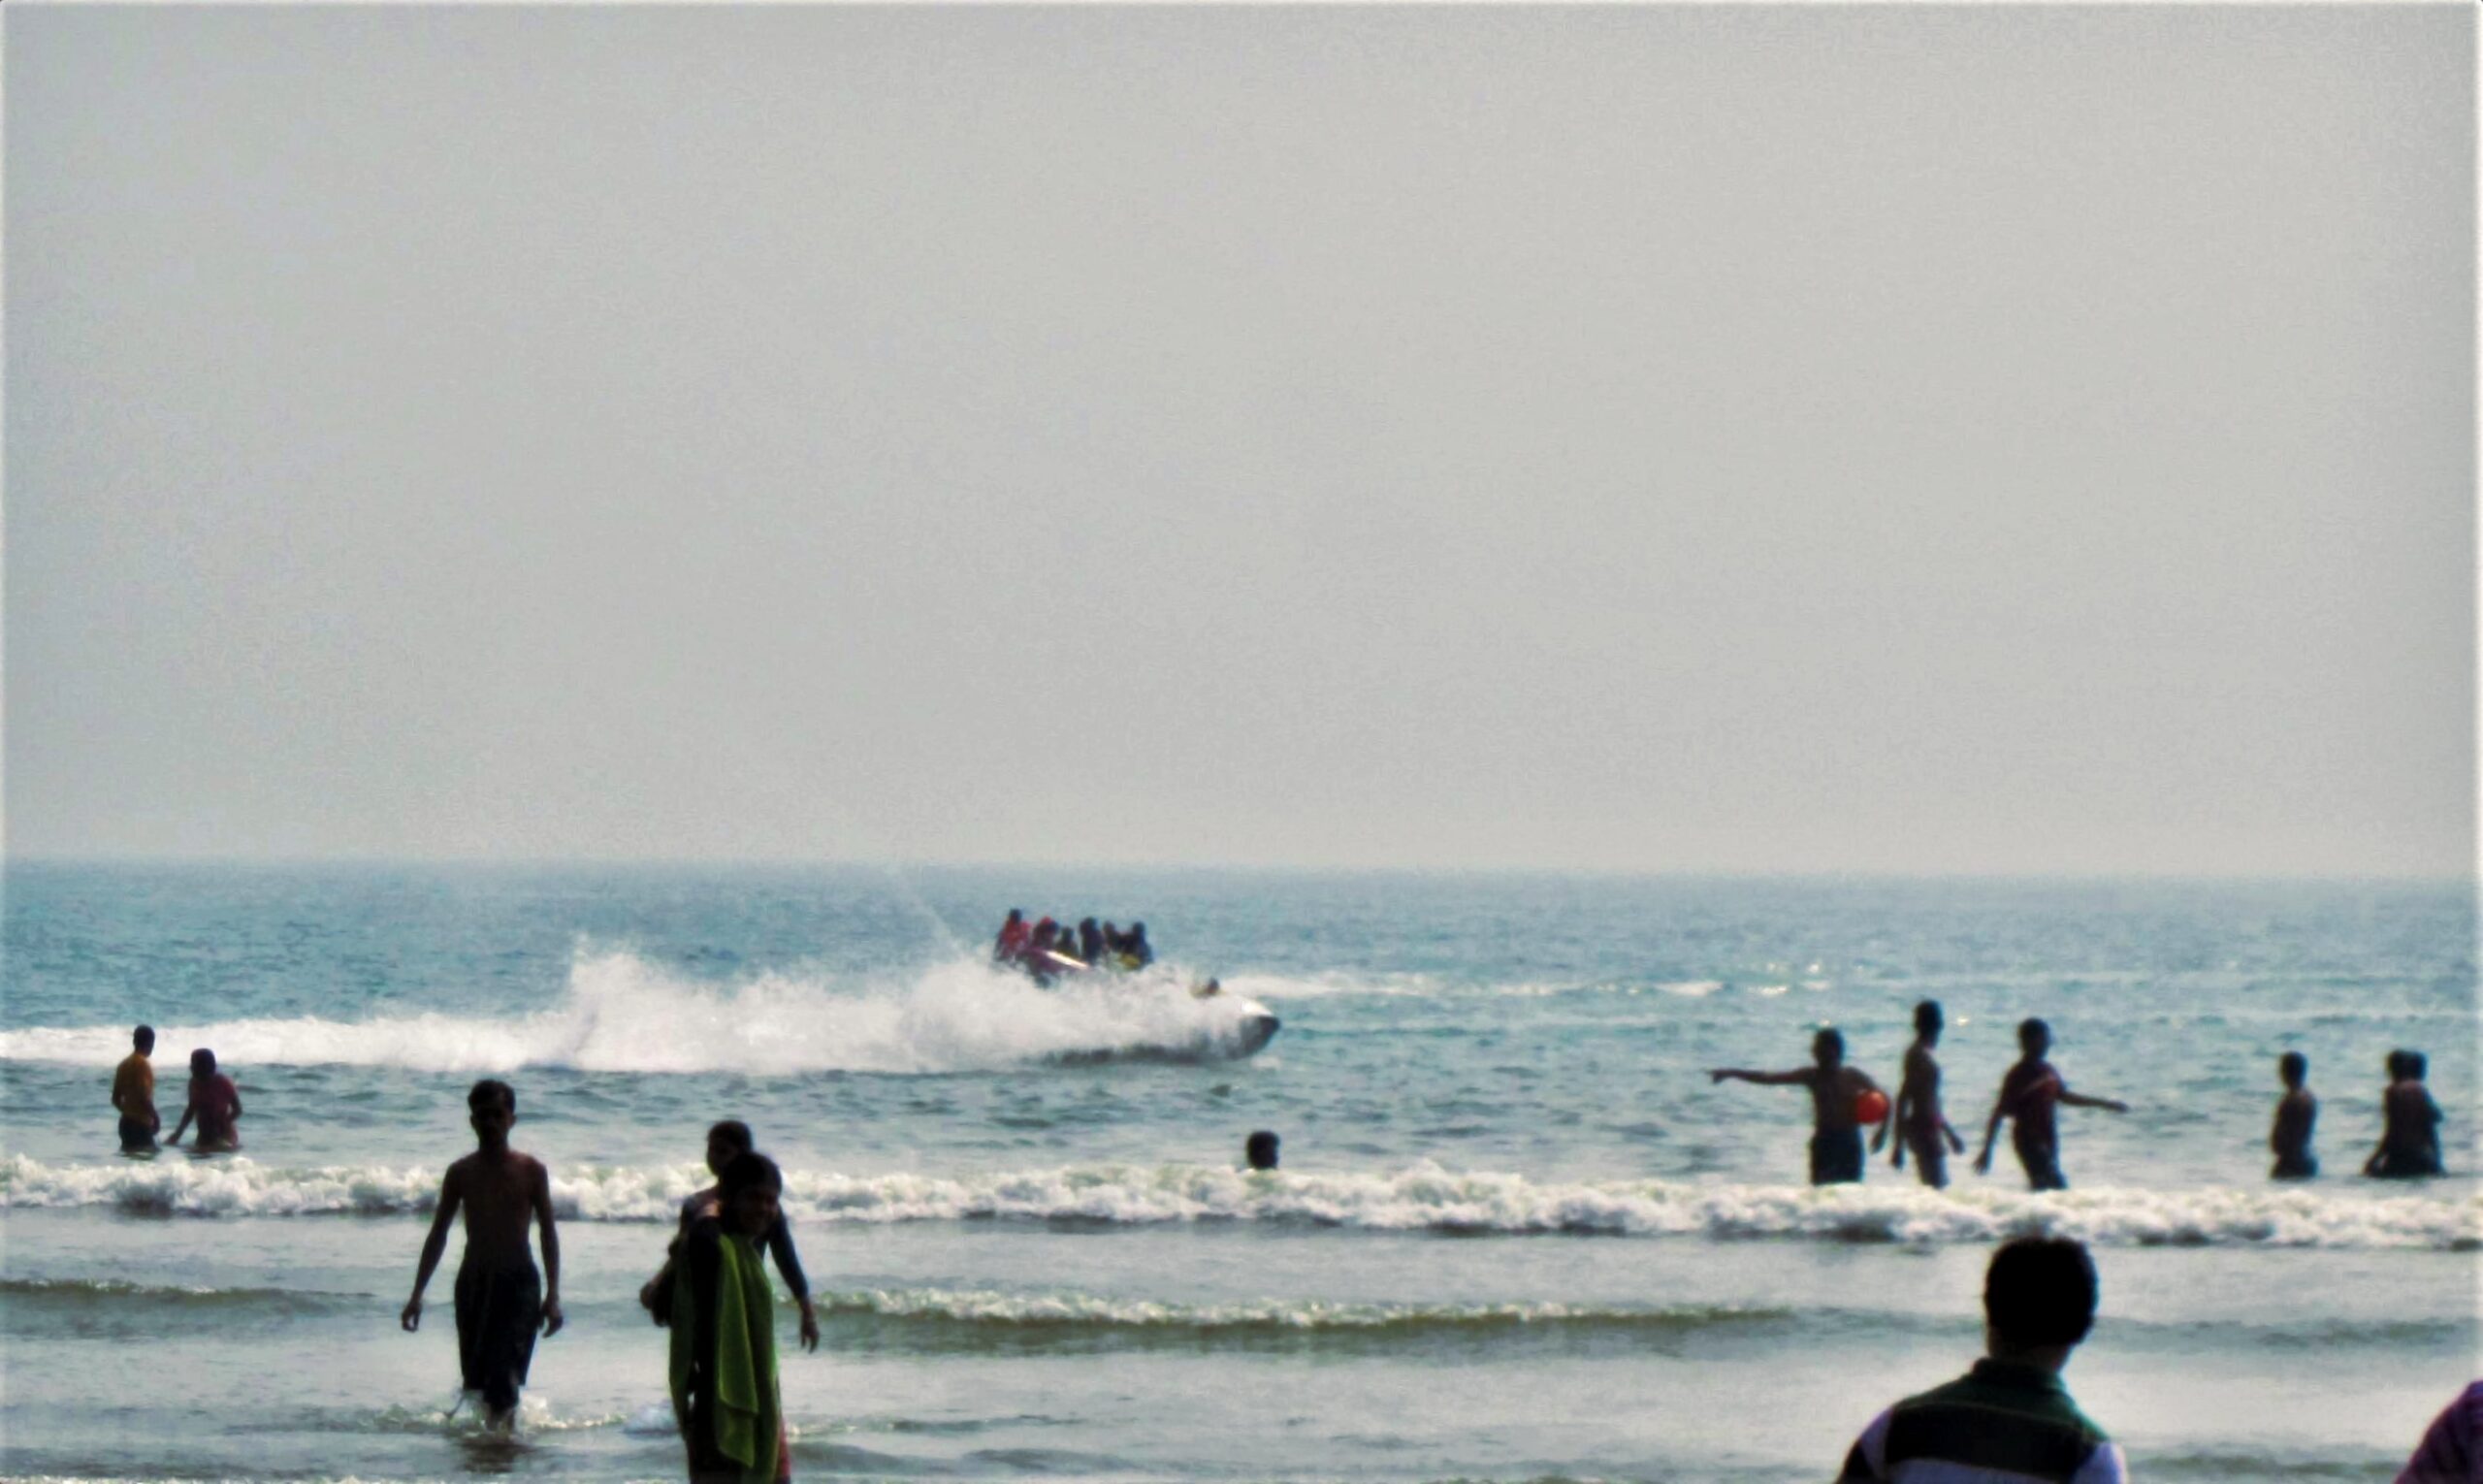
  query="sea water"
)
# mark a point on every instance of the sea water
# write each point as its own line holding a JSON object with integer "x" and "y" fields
{"x": 1517, "y": 1233}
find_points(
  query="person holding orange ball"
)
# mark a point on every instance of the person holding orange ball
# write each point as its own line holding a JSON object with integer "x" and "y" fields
{"x": 1839, "y": 1097}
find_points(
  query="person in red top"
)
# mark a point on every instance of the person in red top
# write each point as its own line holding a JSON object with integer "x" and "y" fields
{"x": 214, "y": 1102}
{"x": 1015, "y": 935}
{"x": 2027, "y": 1095}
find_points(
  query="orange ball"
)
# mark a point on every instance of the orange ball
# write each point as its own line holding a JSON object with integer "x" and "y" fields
{"x": 1870, "y": 1106}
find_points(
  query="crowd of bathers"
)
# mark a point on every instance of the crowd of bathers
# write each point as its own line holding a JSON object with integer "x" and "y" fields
{"x": 712, "y": 1292}
{"x": 1046, "y": 949}
{"x": 1845, "y": 1100}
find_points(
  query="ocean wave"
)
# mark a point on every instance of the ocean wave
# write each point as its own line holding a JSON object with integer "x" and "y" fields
{"x": 1092, "y": 1311}
{"x": 620, "y": 1013}
{"x": 76, "y": 1293}
{"x": 1424, "y": 1199}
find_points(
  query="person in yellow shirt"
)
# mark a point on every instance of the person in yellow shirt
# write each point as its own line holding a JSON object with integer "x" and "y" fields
{"x": 134, "y": 1094}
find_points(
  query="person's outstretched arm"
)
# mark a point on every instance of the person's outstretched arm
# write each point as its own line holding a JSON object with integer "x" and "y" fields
{"x": 1763, "y": 1079}
{"x": 552, "y": 1319}
{"x": 433, "y": 1244}
{"x": 2081, "y": 1100}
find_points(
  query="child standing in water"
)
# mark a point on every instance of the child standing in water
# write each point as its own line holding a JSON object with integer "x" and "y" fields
{"x": 215, "y": 1103}
{"x": 1919, "y": 1124}
{"x": 501, "y": 1299}
{"x": 2289, "y": 1139}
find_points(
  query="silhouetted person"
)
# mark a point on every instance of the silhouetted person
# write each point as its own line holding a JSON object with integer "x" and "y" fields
{"x": 1135, "y": 949}
{"x": 1090, "y": 941}
{"x": 726, "y": 1141}
{"x": 1259, "y": 1150}
{"x": 2451, "y": 1451}
{"x": 2028, "y": 1094}
{"x": 723, "y": 1369}
{"x": 2409, "y": 1133}
{"x": 215, "y": 1102}
{"x": 1836, "y": 1136}
{"x": 1919, "y": 1124}
{"x": 2010, "y": 1418}
{"x": 2289, "y": 1137}
{"x": 501, "y": 1299}
{"x": 134, "y": 1094}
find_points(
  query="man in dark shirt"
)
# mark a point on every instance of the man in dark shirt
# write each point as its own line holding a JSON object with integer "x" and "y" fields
{"x": 2028, "y": 1093}
{"x": 2009, "y": 1420}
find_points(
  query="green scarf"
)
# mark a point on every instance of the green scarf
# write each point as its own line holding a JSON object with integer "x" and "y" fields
{"x": 743, "y": 1369}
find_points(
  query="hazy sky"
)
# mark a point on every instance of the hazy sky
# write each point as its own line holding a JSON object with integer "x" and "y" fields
{"x": 1798, "y": 438}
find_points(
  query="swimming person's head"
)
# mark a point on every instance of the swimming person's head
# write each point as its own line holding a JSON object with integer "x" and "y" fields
{"x": 2293, "y": 1067}
{"x": 726, "y": 1140}
{"x": 2038, "y": 1300}
{"x": 1926, "y": 1019}
{"x": 201, "y": 1063}
{"x": 491, "y": 1107}
{"x": 2398, "y": 1063}
{"x": 1016, "y": 915}
{"x": 2034, "y": 1037}
{"x": 2417, "y": 1065}
{"x": 750, "y": 1186}
{"x": 1827, "y": 1048}
{"x": 1260, "y": 1149}
{"x": 143, "y": 1039}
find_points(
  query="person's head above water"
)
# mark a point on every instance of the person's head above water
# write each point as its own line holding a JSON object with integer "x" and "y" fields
{"x": 2038, "y": 1298}
{"x": 724, "y": 1139}
{"x": 1016, "y": 915}
{"x": 2034, "y": 1037}
{"x": 1260, "y": 1149}
{"x": 750, "y": 1187}
{"x": 1827, "y": 1048}
{"x": 143, "y": 1037}
{"x": 201, "y": 1063}
{"x": 2399, "y": 1065}
{"x": 1926, "y": 1019}
{"x": 2417, "y": 1066}
{"x": 2293, "y": 1067}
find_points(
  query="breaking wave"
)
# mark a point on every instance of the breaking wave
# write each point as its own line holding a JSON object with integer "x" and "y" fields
{"x": 620, "y": 1013}
{"x": 1423, "y": 1199}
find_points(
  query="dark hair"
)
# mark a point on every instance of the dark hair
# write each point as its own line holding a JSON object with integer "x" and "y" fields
{"x": 732, "y": 1131}
{"x": 490, "y": 1089}
{"x": 747, "y": 1169}
{"x": 2032, "y": 1029}
{"x": 1260, "y": 1149}
{"x": 1830, "y": 1039}
{"x": 2040, "y": 1291}
{"x": 2293, "y": 1066}
{"x": 1926, "y": 1016}
{"x": 2417, "y": 1065}
{"x": 201, "y": 1063}
{"x": 2401, "y": 1064}
{"x": 143, "y": 1037}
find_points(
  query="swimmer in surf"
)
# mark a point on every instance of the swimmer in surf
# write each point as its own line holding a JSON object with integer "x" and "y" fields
{"x": 1919, "y": 1124}
{"x": 1836, "y": 1138}
{"x": 215, "y": 1103}
{"x": 500, "y": 1298}
{"x": 2028, "y": 1093}
{"x": 2289, "y": 1137}
{"x": 134, "y": 1094}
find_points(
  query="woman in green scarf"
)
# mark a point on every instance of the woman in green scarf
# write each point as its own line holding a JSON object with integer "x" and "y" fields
{"x": 723, "y": 1335}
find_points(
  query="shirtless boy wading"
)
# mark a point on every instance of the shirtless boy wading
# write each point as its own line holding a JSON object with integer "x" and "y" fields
{"x": 501, "y": 1301}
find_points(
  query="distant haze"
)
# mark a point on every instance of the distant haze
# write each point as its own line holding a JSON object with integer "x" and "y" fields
{"x": 1787, "y": 438}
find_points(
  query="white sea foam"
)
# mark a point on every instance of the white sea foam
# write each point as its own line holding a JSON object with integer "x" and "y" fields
{"x": 620, "y": 1013}
{"x": 1424, "y": 1198}
{"x": 1086, "y": 1310}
